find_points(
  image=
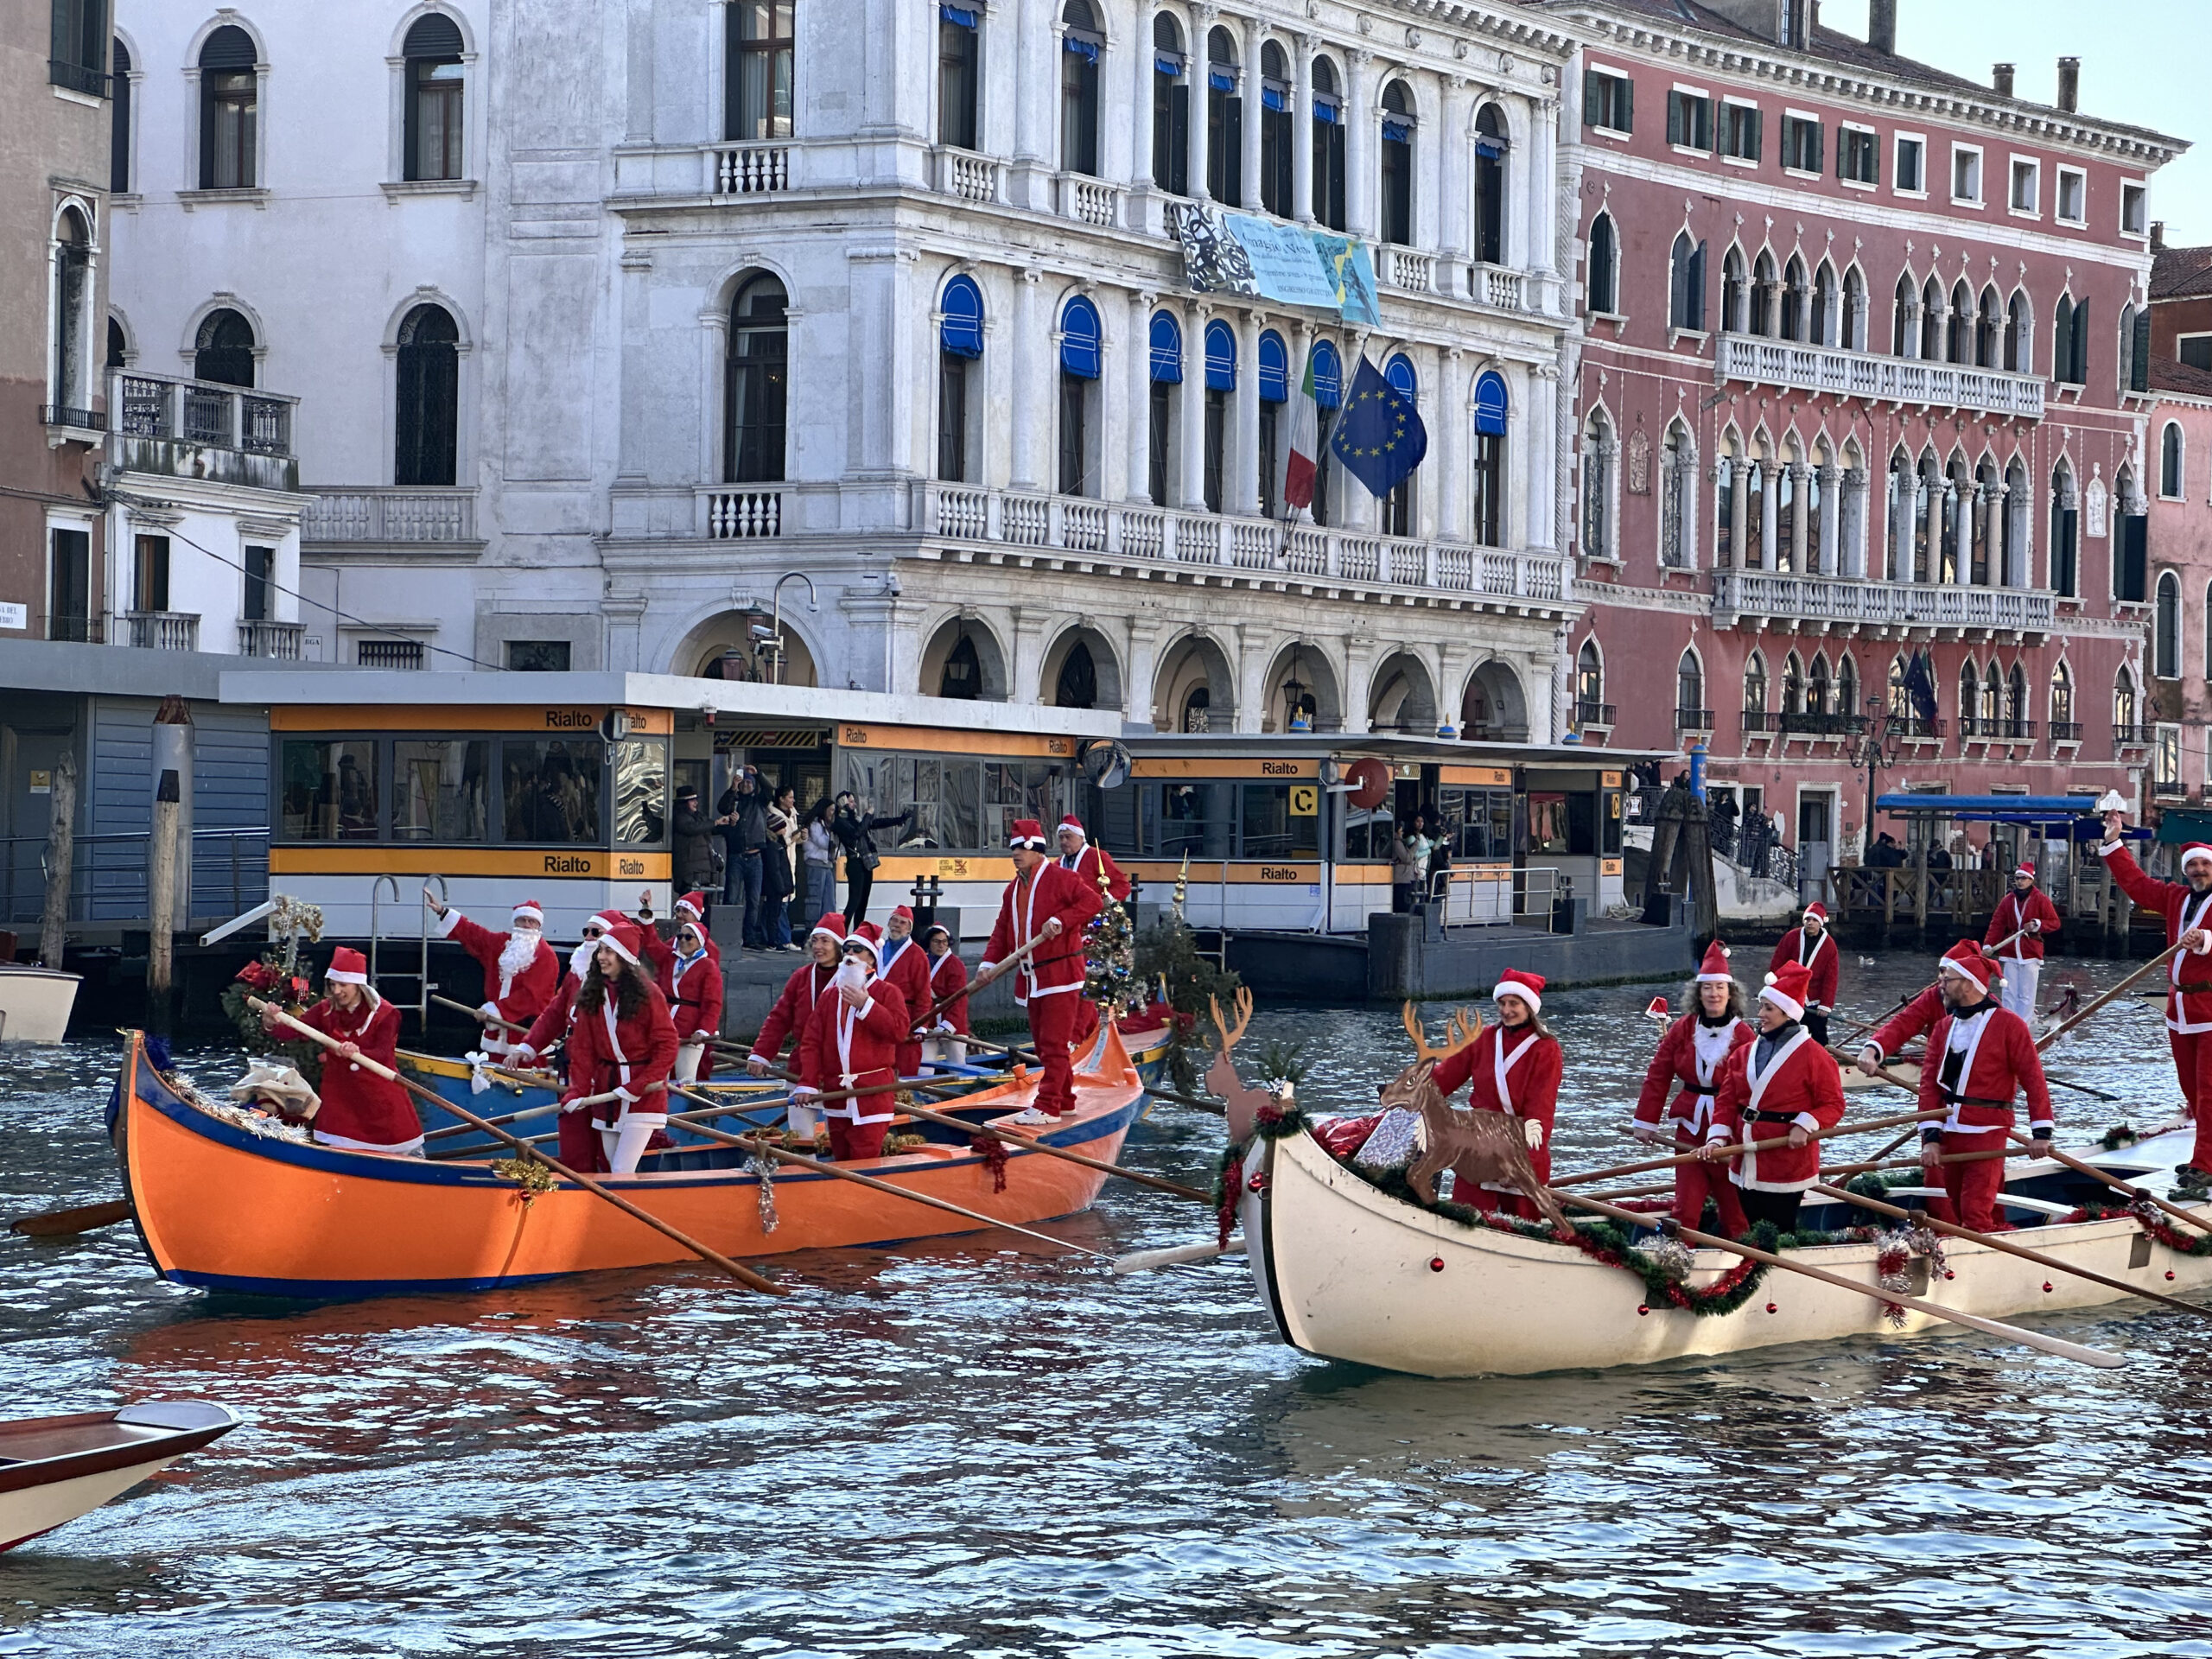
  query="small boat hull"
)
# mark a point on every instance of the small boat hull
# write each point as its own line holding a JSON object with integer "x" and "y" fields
{"x": 55, "y": 1469}
{"x": 36, "y": 1003}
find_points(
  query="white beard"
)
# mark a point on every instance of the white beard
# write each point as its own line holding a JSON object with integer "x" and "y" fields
{"x": 580, "y": 959}
{"x": 516, "y": 955}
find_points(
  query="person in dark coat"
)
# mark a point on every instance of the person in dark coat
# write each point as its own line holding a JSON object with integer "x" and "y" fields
{"x": 694, "y": 848}
{"x": 741, "y": 817}
{"x": 852, "y": 827}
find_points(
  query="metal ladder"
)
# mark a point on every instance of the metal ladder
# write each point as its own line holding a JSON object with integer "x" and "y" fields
{"x": 421, "y": 975}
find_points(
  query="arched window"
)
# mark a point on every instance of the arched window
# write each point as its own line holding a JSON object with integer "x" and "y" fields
{"x": 2169, "y": 458}
{"x": 2062, "y": 704}
{"x": 2065, "y": 530}
{"x": 1598, "y": 449}
{"x": 1816, "y": 686}
{"x": 1171, "y": 109}
{"x": 1490, "y": 184}
{"x": 1329, "y": 166}
{"x": 1851, "y": 329}
{"x": 1224, "y": 121}
{"x": 1794, "y": 297}
{"x": 960, "y": 343}
{"x": 1793, "y": 685}
{"x": 223, "y": 350}
{"x": 961, "y": 677}
{"x": 1958, "y": 345}
{"x": 1725, "y": 538}
{"x": 1077, "y": 686}
{"x": 2123, "y": 707}
{"x": 1689, "y": 694}
{"x": 1277, "y": 161}
{"x": 428, "y": 405}
{"x": 2019, "y": 552}
{"x": 1080, "y": 45}
{"x": 758, "y": 44}
{"x": 1847, "y": 688}
{"x": 1931, "y": 321}
{"x": 1826, "y": 325}
{"x": 118, "y": 160}
{"x": 2128, "y": 349}
{"x": 959, "y": 87}
{"x": 1900, "y": 694}
{"x": 230, "y": 111}
{"x": 2165, "y": 638}
{"x": 2020, "y": 354}
{"x": 1993, "y": 701}
{"x": 1605, "y": 273}
{"x": 1734, "y": 298}
{"x": 1903, "y": 334}
{"x": 72, "y": 321}
{"x": 1590, "y": 687}
{"x": 1686, "y": 284}
{"x": 1398, "y": 505}
{"x": 2069, "y": 342}
{"x": 755, "y": 381}
{"x": 1221, "y": 386}
{"x": 432, "y": 51}
{"x": 1764, "y": 289}
{"x": 1083, "y": 349}
{"x": 1328, "y": 371}
{"x": 118, "y": 348}
{"x": 1489, "y": 473}
{"x": 2016, "y": 705}
{"x": 1989, "y": 328}
{"x": 1397, "y": 205}
{"x": 1164, "y": 346}
{"x": 1755, "y": 684}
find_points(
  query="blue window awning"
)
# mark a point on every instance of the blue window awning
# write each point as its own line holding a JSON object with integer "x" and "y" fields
{"x": 1273, "y": 97}
{"x": 1165, "y": 339}
{"x": 1084, "y": 46}
{"x": 966, "y": 17}
{"x": 962, "y": 331}
{"x": 1082, "y": 342}
{"x": 1274, "y": 369}
{"x": 1221, "y": 81}
{"x": 1221, "y": 357}
{"x": 1489, "y": 402}
{"x": 1326, "y": 109}
{"x": 1397, "y": 132}
{"x": 1328, "y": 376}
{"x": 1399, "y": 372}
{"x": 1167, "y": 63}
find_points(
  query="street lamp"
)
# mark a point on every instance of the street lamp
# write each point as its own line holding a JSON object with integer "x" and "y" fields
{"x": 1874, "y": 748}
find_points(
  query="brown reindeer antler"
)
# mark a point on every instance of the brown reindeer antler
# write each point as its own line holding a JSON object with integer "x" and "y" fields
{"x": 1242, "y": 1002}
{"x": 1462, "y": 1028}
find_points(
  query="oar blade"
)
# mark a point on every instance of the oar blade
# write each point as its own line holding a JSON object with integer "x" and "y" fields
{"x": 65, "y": 1224}
{"x": 2098, "y": 1358}
{"x": 1175, "y": 1256}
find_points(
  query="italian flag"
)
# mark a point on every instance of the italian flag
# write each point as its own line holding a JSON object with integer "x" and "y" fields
{"x": 1302, "y": 453}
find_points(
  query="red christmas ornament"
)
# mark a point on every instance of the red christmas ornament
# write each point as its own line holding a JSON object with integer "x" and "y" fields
{"x": 1950, "y": 1273}
{"x": 2170, "y": 1273}
{"x": 1642, "y": 1309}
{"x": 1257, "y": 1184}
{"x": 1436, "y": 1264}
{"x": 2046, "y": 1284}
{"x": 1770, "y": 1307}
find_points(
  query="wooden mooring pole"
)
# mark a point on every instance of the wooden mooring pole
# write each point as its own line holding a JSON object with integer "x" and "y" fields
{"x": 160, "y": 901}
{"x": 61, "y": 848}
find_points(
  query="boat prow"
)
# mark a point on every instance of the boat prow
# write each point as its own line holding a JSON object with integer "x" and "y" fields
{"x": 55, "y": 1469}
{"x": 36, "y": 1002}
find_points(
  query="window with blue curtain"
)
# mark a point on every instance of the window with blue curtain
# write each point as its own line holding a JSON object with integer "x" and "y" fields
{"x": 1166, "y": 350}
{"x": 1081, "y": 340}
{"x": 1274, "y": 369}
{"x": 1328, "y": 376}
{"x": 1489, "y": 402}
{"x": 964, "y": 16}
{"x": 1221, "y": 357}
{"x": 962, "y": 331}
{"x": 1399, "y": 372}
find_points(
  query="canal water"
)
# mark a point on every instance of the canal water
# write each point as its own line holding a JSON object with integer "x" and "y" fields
{"x": 968, "y": 1448}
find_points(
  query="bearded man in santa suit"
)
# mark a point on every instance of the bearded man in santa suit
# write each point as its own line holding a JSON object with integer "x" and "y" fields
{"x": 906, "y": 965}
{"x": 1782, "y": 1085}
{"x": 793, "y": 1016}
{"x": 1047, "y": 906}
{"x": 2023, "y": 919}
{"x": 521, "y": 971}
{"x": 1812, "y": 947}
{"x": 1513, "y": 1066}
{"x": 360, "y": 1111}
{"x": 1080, "y": 857}
{"x": 854, "y": 1047}
{"x": 623, "y": 1044}
{"x": 2187, "y": 906}
{"x": 1693, "y": 1052}
{"x": 1979, "y": 1056}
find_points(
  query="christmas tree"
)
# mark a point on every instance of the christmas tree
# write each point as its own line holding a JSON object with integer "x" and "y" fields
{"x": 1110, "y": 958}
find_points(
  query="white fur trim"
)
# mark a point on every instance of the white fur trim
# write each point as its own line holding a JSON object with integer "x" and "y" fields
{"x": 448, "y": 922}
{"x": 2198, "y": 854}
{"x": 1789, "y": 1006}
{"x": 531, "y": 910}
{"x": 1513, "y": 987}
{"x": 336, "y": 978}
{"x": 1952, "y": 965}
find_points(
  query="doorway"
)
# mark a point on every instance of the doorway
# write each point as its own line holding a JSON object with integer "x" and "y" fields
{"x": 1816, "y": 810}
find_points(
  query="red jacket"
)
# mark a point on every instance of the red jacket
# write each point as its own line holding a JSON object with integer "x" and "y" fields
{"x": 909, "y": 970}
{"x": 659, "y": 955}
{"x": 1087, "y": 864}
{"x": 1801, "y": 1085}
{"x": 2000, "y": 1061}
{"x": 552, "y": 1024}
{"x": 2188, "y": 976}
{"x": 1698, "y": 1068}
{"x": 359, "y": 1105}
{"x": 521, "y": 997}
{"x": 1916, "y": 1018}
{"x": 1531, "y": 1067}
{"x": 2011, "y": 914}
{"x": 1823, "y": 968}
{"x": 793, "y": 1012}
{"x": 855, "y": 1048}
{"x": 697, "y": 1009}
{"x": 948, "y": 974}
{"x": 1055, "y": 966}
{"x": 634, "y": 1055}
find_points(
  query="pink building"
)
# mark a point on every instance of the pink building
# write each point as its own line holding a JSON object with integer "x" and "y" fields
{"x": 1862, "y": 377}
{"x": 2181, "y": 523}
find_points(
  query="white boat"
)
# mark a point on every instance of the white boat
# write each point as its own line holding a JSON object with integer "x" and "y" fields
{"x": 55, "y": 1469}
{"x": 34, "y": 1002}
{"x": 1350, "y": 1272}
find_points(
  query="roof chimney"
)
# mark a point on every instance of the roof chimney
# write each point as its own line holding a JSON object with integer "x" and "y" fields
{"x": 1882, "y": 25}
{"x": 2069, "y": 84}
{"x": 2157, "y": 236}
{"x": 2000, "y": 77}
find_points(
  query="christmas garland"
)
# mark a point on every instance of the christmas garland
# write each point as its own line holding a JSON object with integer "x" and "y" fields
{"x": 2152, "y": 1220}
{"x": 995, "y": 1156}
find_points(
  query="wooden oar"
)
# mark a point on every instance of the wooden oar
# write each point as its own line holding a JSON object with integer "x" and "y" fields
{"x": 1835, "y": 1172}
{"x": 2091, "y": 1006}
{"x": 62, "y": 1224}
{"x": 1176, "y": 1255}
{"x": 2074, "y": 1352}
{"x": 2128, "y": 1188}
{"x": 476, "y": 1013}
{"x": 745, "y": 1276}
{"x": 1950, "y": 1230}
{"x": 1734, "y": 1148}
{"x": 1029, "y": 1056}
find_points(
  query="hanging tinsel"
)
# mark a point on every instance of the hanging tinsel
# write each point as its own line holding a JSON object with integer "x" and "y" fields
{"x": 994, "y": 1155}
{"x": 1110, "y": 958}
{"x": 2152, "y": 1219}
{"x": 764, "y": 1171}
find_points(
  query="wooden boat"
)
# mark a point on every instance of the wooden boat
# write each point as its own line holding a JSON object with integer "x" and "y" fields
{"x": 55, "y": 1469}
{"x": 229, "y": 1201}
{"x": 1348, "y": 1271}
{"x": 34, "y": 1002}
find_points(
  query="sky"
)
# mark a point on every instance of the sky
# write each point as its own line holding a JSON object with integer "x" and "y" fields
{"x": 2126, "y": 74}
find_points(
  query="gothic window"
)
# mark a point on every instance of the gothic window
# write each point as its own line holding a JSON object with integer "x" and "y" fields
{"x": 2165, "y": 637}
{"x": 1754, "y": 684}
{"x": 1689, "y": 687}
{"x": 1604, "y": 287}
{"x": 72, "y": 319}
{"x": 230, "y": 110}
{"x": 1597, "y": 486}
{"x": 1686, "y": 284}
{"x": 1733, "y": 308}
{"x": 223, "y": 350}
{"x": 427, "y": 409}
{"x": 2169, "y": 459}
{"x": 755, "y": 380}
{"x": 2061, "y": 700}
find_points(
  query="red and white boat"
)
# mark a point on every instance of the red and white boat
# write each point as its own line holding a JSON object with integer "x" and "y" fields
{"x": 55, "y": 1469}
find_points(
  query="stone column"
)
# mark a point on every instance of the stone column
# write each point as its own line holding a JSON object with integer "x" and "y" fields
{"x": 1030, "y": 378}
{"x": 1142, "y": 54}
{"x": 1254, "y": 93}
{"x": 1140, "y": 666}
{"x": 1934, "y": 521}
{"x": 1036, "y": 102}
{"x": 1249, "y": 670}
{"x": 1831, "y": 477}
{"x": 1360, "y": 139}
{"x": 1541, "y": 192}
{"x": 1240, "y": 493}
{"x": 1539, "y": 535}
{"x": 1301, "y": 131}
{"x": 1454, "y": 141}
{"x": 1739, "y": 506}
{"x": 1451, "y": 432}
{"x": 1025, "y": 682}
{"x": 1115, "y": 413}
{"x": 1770, "y": 496}
{"x": 1799, "y": 473}
{"x": 1138, "y": 378}
{"x": 1200, "y": 71}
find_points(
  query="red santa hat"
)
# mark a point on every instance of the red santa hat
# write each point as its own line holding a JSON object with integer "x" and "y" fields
{"x": 1529, "y": 988}
{"x": 347, "y": 967}
{"x": 530, "y": 910}
{"x": 2195, "y": 849}
{"x": 1713, "y": 970}
{"x": 1027, "y": 832}
{"x": 2028, "y": 870}
{"x": 1965, "y": 960}
{"x": 695, "y": 903}
{"x": 1816, "y": 912}
{"x": 625, "y": 941}
{"x": 1789, "y": 990}
{"x": 606, "y": 920}
{"x": 1071, "y": 822}
{"x": 831, "y": 926}
{"x": 866, "y": 937}
{"x": 904, "y": 913}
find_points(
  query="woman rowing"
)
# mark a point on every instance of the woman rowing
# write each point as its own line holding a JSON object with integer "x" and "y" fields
{"x": 692, "y": 981}
{"x": 623, "y": 1044}
{"x": 1515, "y": 1066}
{"x": 552, "y": 1025}
{"x": 360, "y": 1111}
{"x": 1696, "y": 1050}
{"x": 1781, "y": 1086}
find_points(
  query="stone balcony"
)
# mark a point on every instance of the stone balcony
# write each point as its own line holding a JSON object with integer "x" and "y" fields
{"x": 1789, "y": 366}
{"x": 1753, "y": 598}
{"x": 173, "y": 427}
{"x": 341, "y": 516}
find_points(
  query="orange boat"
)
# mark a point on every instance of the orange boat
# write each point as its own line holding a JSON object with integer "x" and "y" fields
{"x": 228, "y": 1201}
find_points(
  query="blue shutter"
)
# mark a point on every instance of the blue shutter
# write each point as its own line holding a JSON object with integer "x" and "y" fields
{"x": 1328, "y": 376}
{"x": 1221, "y": 81}
{"x": 1080, "y": 338}
{"x": 1399, "y": 372}
{"x": 964, "y": 16}
{"x": 962, "y": 331}
{"x": 1274, "y": 369}
{"x": 1273, "y": 97}
{"x": 1166, "y": 350}
{"x": 1489, "y": 402}
{"x": 1221, "y": 357}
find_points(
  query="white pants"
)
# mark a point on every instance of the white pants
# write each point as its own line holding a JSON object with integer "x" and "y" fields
{"x": 625, "y": 1143}
{"x": 688, "y": 1056}
{"x": 802, "y": 1119}
{"x": 2017, "y": 994}
{"x": 944, "y": 1050}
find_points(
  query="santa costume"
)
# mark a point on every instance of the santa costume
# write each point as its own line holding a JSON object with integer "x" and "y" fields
{"x": 521, "y": 971}
{"x": 629, "y": 1056}
{"x": 1695, "y": 1051}
{"x": 2189, "y": 978}
{"x": 1048, "y": 982}
{"x": 2034, "y": 918}
{"x": 552, "y": 1023}
{"x": 1513, "y": 1071}
{"x": 1979, "y": 1058}
{"x": 696, "y": 1007}
{"x": 793, "y": 1016}
{"x": 360, "y": 1111}
{"x": 944, "y": 1044}
{"x": 1087, "y": 861}
{"x": 1816, "y": 953}
{"x": 1782, "y": 1080}
{"x": 855, "y": 1049}
{"x": 906, "y": 965}
{"x": 660, "y": 953}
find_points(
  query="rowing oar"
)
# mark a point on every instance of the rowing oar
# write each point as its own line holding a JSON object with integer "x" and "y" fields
{"x": 2091, "y": 1006}
{"x": 760, "y": 1148}
{"x": 1949, "y": 1230}
{"x": 62, "y": 1224}
{"x": 1176, "y": 1255}
{"x": 1860, "y": 1027}
{"x": 2074, "y": 1352}
{"x": 1733, "y": 1147}
{"x": 745, "y": 1276}
{"x": 2128, "y": 1188}
{"x": 1029, "y": 1056}
{"x": 1833, "y": 1172}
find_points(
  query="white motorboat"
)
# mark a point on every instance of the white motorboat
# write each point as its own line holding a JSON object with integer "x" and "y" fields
{"x": 34, "y": 1002}
{"x": 55, "y": 1469}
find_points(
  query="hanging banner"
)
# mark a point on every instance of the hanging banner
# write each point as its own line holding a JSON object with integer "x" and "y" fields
{"x": 1242, "y": 253}
{"x": 1285, "y": 264}
{"x": 1350, "y": 277}
{"x": 1214, "y": 261}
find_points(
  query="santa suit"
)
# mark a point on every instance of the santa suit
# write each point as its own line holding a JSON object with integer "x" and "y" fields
{"x": 1798, "y": 1086}
{"x": 857, "y": 1048}
{"x": 1088, "y": 861}
{"x": 2188, "y": 981}
{"x": 363, "y": 1112}
{"x": 1049, "y": 982}
{"x": 1820, "y": 961}
{"x": 519, "y": 992}
{"x": 906, "y": 965}
{"x": 794, "y": 1014}
{"x": 948, "y": 978}
{"x": 2023, "y": 958}
{"x": 1915, "y": 1019}
{"x": 1517, "y": 1073}
{"x": 634, "y": 1054}
{"x": 696, "y": 1011}
{"x": 1694, "y": 1054}
{"x": 553, "y": 1021}
{"x": 659, "y": 955}
{"x": 1977, "y": 1060}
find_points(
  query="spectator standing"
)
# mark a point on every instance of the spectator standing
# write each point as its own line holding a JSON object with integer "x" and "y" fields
{"x": 1405, "y": 870}
{"x": 742, "y": 818}
{"x": 819, "y": 849}
{"x": 854, "y": 829}
{"x": 694, "y": 847}
{"x": 777, "y": 873}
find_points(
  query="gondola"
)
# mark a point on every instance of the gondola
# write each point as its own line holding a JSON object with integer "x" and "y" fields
{"x": 55, "y": 1469}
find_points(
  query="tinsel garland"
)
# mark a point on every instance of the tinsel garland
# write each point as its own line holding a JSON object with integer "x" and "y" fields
{"x": 764, "y": 1171}
{"x": 993, "y": 1152}
{"x": 2152, "y": 1220}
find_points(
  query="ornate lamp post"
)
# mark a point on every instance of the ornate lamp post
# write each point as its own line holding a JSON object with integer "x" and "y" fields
{"x": 1876, "y": 749}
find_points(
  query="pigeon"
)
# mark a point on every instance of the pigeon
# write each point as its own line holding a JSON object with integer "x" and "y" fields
{"x": 1866, "y": 962}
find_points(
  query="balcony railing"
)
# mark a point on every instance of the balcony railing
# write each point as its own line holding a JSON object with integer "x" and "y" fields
{"x": 388, "y": 653}
{"x": 2065, "y": 731}
{"x": 1889, "y": 379}
{"x": 1841, "y": 599}
{"x": 1092, "y": 201}
{"x": 76, "y": 420}
{"x": 2130, "y": 737}
{"x": 1917, "y": 729}
{"x": 277, "y": 641}
{"x": 161, "y": 630}
{"x": 1590, "y": 715}
{"x": 1495, "y": 286}
{"x": 736, "y": 515}
{"x": 1408, "y": 269}
{"x": 76, "y": 630}
{"x": 1262, "y": 546}
{"x": 428, "y": 516}
{"x": 203, "y": 412}
{"x": 971, "y": 177}
{"x": 1693, "y": 719}
{"x": 94, "y": 83}
{"x": 1813, "y": 722}
{"x": 1758, "y": 722}
{"x": 748, "y": 169}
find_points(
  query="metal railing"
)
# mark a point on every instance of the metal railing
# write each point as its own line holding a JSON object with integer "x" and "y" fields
{"x": 79, "y": 77}
{"x": 1693, "y": 719}
{"x": 2130, "y": 737}
{"x": 77, "y": 420}
{"x": 1810, "y": 722}
{"x": 205, "y": 412}
{"x": 2066, "y": 731}
{"x": 1474, "y": 895}
{"x": 1758, "y": 720}
{"x": 1587, "y": 715}
{"x": 107, "y": 876}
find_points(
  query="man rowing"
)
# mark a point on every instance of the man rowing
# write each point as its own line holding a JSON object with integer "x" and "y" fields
{"x": 854, "y": 1047}
{"x": 793, "y": 1017}
{"x": 1695, "y": 1051}
{"x": 1979, "y": 1056}
{"x": 1784, "y": 1085}
{"x": 2187, "y": 906}
{"x": 2023, "y": 919}
{"x": 1044, "y": 910}
{"x": 521, "y": 971}
{"x": 1090, "y": 863}
{"x": 906, "y": 965}
{"x": 1812, "y": 947}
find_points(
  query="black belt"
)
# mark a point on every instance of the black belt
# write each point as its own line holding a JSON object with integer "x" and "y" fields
{"x": 1774, "y": 1117}
{"x": 1967, "y": 1100}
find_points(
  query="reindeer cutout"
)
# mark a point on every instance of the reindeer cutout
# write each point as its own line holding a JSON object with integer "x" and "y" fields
{"x": 1483, "y": 1148}
{"x": 1221, "y": 1077}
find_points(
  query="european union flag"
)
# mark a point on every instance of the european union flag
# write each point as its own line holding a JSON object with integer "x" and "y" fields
{"x": 1920, "y": 686}
{"x": 1379, "y": 436}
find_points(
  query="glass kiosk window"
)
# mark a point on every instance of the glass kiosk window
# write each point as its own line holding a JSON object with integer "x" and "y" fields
{"x": 440, "y": 787}
{"x": 329, "y": 788}
{"x": 640, "y": 792}
{"x": 550, "y": 790}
